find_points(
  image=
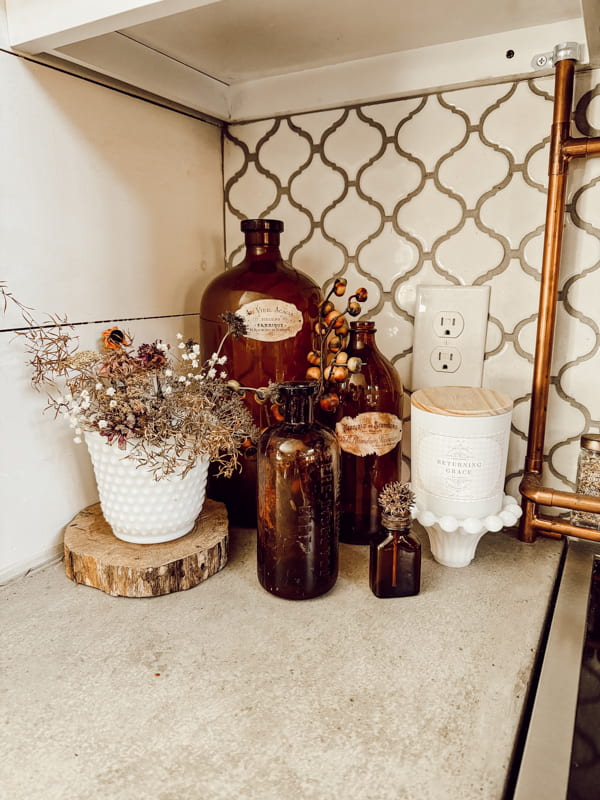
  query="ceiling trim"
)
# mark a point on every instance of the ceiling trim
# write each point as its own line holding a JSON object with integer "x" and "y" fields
{"x": 465, "y": 63}
{"x": 36, "y": 26}
{"x": 130, "y": 62}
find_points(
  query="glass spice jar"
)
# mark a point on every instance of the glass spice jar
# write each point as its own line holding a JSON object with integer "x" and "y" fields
{"x": 395, "y": 559}
{"x": 298, "y": 500}
{"x": 588, "y": 479}
{"x": 279, "y": 306}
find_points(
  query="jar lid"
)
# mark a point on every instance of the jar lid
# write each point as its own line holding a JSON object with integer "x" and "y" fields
{"x": 461, "y": 401}
{"x": 273, "y": 225}
{"x": 591, "y": 441}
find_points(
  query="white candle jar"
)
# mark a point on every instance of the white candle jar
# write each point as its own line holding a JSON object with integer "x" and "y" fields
{"x": 459, "y": 447}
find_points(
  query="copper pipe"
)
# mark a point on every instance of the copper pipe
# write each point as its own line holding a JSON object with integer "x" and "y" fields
{"x": 582, "y": 148}
{"x": 563, "y": 148}
{"x": 531, "y": 489}
{"x": 555, "y": 208}
{"x": 557, "y": 527}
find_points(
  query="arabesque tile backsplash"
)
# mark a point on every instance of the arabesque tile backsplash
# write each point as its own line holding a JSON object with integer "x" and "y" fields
{"x": 447, "y": 188}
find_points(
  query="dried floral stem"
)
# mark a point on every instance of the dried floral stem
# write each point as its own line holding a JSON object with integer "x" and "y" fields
{"x": 163, "y": 411}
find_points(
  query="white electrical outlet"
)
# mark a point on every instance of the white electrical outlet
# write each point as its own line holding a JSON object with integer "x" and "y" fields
{"x": 450, "y": 331}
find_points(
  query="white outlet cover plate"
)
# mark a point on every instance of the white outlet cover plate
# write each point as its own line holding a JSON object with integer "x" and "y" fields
{"x": 464, "y": 309}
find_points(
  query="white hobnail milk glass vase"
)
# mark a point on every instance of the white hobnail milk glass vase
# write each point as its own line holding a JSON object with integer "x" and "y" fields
{"x": 137, "y": 507}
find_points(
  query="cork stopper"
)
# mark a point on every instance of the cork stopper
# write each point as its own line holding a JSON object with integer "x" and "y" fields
{"x": 461, "y": 401}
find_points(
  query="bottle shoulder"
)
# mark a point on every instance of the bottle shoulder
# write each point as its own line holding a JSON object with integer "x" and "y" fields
{"x": 241, "y": 285}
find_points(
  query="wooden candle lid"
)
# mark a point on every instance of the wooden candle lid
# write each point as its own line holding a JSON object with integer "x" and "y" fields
{"x": 461, "y": 401}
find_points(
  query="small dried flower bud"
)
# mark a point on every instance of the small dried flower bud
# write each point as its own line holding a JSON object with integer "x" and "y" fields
{"x": 313, "y": 373}
{"x": 354, "y": 364}
{"x": 339, "y": 287}
{"x": 361, "y": 294}
{"x": 235, "y": 386}
{"x": 313, "y": 358}
{"x": 329, "y": 401}
{"x": 354, "y": 308}
{"x": 326, "y": 307}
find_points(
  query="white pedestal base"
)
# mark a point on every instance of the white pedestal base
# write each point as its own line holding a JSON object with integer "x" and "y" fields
{"x": 454, "y": 541}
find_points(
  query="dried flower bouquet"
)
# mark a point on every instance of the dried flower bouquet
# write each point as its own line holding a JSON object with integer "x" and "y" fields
{"x": 162, "y": 406}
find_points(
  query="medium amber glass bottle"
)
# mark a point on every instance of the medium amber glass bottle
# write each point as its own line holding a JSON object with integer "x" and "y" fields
{"x": 298, "y": 500}
{"x": 368, "y": 425}
{"x": 279, "y": 306}
{"x": 395, "y": 559}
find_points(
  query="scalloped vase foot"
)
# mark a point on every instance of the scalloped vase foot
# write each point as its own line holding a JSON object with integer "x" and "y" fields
{"x": 138, "y": 508}
{"x": 454, "y": 541}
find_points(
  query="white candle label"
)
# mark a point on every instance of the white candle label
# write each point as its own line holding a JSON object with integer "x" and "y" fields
{"x": 270, "y": 320}
{"x": 469, "y": 468}
{"x": 371, "y": 433}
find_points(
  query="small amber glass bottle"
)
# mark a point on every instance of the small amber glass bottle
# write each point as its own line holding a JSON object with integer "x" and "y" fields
{"x": 368, "y": 424}
{"x": 395, "y": 563}
{"x": 298, "y": 500}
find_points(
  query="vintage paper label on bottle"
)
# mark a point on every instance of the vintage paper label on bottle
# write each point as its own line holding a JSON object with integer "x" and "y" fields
{"x": 270, "y": 320}
{"x": 371, "y": 433}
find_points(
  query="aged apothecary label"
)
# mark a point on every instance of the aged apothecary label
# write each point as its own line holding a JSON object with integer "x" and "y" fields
{"x": 466, "y": 468}
{"x": 371, "y": 433}
{"x": 271, "y": 320}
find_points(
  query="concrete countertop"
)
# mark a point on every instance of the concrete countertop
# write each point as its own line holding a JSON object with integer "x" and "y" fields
{"x": 224, "y": 691}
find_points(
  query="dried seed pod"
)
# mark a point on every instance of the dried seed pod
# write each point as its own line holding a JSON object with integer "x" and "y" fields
{"x": 341, "y": 357}
{"x": 261, "y": 395}
{"x": 276, "y": 412}
{"x": 334, "y": 344}
{"x": 320, "y": 329}
{"x": 329, "y": 401}
{"x": 354, "y": 364}
{"x": 339, "y": 373}
{"x": 326, "y": 307}
{"x": 343, "y": 329}
{"x": 235, "y": 386}
{"x": 340, "y": 323}
{"x": 333, "y": 316}
{"x": 313, "y": 358}
{"x": 313, "y": 373}
{"x": 361, "y": 294}
{"x": 339, "y": 287}
{"x": 354, "y": 308}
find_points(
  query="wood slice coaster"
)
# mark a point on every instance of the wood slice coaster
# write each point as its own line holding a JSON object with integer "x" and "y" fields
{"x": 95, "y": 557}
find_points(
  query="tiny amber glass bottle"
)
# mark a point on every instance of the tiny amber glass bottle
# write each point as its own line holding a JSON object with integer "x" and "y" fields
{"x": 395, "y": 559}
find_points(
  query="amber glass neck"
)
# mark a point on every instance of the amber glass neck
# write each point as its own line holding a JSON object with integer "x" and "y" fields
{"x": 297, "y": 398}
{"x": 393, "y": 523}
{"x": 362, "y": 334}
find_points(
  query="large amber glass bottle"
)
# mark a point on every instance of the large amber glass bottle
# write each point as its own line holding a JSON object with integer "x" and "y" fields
{"x": 368, "y": 425}
{"x": 298, "y": 500}
{"x": 279, "y": 306}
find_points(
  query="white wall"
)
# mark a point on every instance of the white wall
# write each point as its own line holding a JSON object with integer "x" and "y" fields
{"x": 111, "y": 208}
